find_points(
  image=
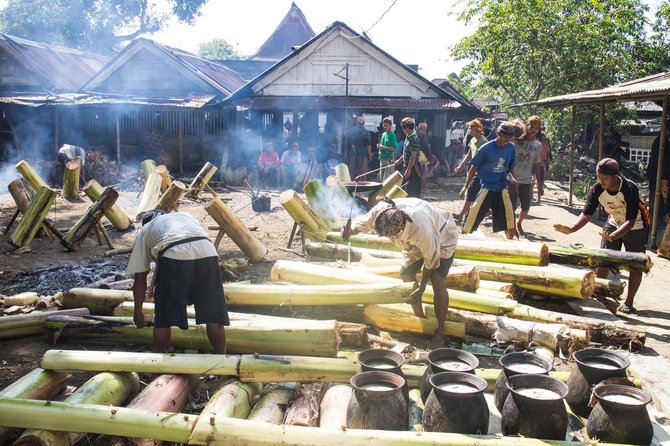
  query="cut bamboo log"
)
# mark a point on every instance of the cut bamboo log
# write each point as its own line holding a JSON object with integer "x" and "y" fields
{"x": 150, "y": 195}
{"x": 525, "y": 333}
{"x": 506, "y": 287}
{"x": 165, "y": 175}
{"x": 33, "y": 178}
{"x": 125, "y": 284}
{"x": 99, "y": 302}
{"x": 231, "y": 400}
{"x": 609, "y": 288}
{"x": 335, "y": 251}
{"x": 333, "y": 407}
{"x": 71, "y": 179}
{"x": 303, "y": 408}
{"x": 177, "y": 427}
{"x": 462, "y": 278}
{"x": 395, "y": 179}
{"x": 23, "y": 195}
{"x": 593, "y": 257}
{"x": 317, "y": 338}
{"x": 342, "y": 172}
{"x": 168, "y": 201}
{"x": 271, "y": 407}
{"x": 116, "y": 215}
{"x": 148, "y": 167}
{"x": 119, "y": 251}
{"x": 168, "y": 393}
{"x": 400, "y": 318}
{"x": 89, "y": 220}
{"x": 33, "y": 323}
{"x": 201, "y": 180}
{"x": 27, "y": 298}
{"x": 104, "y": 388}
{"x": 38, "y": 384}
{"x": 313, "y": 227}
{"x": 33, "y": 218}
{"x": 493, "y": 293}
{"x": 317, "y": 200}
{"x": 396, "y": 192}
{"x": 238, "y": 232}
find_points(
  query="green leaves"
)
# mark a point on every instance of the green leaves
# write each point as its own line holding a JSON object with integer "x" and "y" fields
{"x": 217, "y": 49}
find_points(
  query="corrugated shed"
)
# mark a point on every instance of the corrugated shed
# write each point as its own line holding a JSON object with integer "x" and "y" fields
{"x": 83, "y": 99}
{"x": 62, "y": 69}
{"x": 293, "y": 30}
{"x": 339, "y": 102}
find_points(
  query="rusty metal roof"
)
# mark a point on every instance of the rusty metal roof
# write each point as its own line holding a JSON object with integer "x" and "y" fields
{"x": 339, "y": 102}
{"x": 647, "y": 88}
{"x": 84, "y": 99}
{"x": 293, "y": 30}
{"x": 61, "y": 69}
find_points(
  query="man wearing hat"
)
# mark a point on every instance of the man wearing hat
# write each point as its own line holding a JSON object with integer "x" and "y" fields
{"x": 627, "y": 223}
{"x": 427, "y": 237}
{"x": 476, "y": 131}
{"x": 187, "y": 272}
{"x": 493, "y": 162}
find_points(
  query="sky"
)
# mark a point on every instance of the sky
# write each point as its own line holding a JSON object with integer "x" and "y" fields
{"x": 413, "y": 31}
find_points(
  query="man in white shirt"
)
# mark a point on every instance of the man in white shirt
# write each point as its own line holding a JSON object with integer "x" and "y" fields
{"x": 68, "y": 152}
{"x": 427, "y": 237}
{"x": 187, "y": 272}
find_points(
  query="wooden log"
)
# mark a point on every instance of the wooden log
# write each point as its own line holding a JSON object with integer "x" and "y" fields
{"x": 168, "y": 201}
{"x": 148, "y": 167}
{"x": 111, "y": 389}
{"x": 609, "y": 288}
{"x": 33, "y": 323}
{"x": 395, "y": 179}
{"x": 396, "y": 192}
{"x": 150, "y": 195}
{"x": 89, "y": 220}
{"x": 116, "y": 215}
{"x": 314, "y": 228}
{"x": 119, "y": 251}
{"x": 71, "y": 179}
{"x": 201, "y": 180}
{"x": 315, "y": 338}
{"x": 98, "y": 301}
{"x": 125, "y": 284}
{"x": 271, "y": 407}
{"x": 303, "y": 407}
{"x": 237, "y": 231}
{"x": 594, "y": 257}
{"x": 333, "y": 407}
{"x": 167, "y": 393}
{"x": 33, "y": 178}
{"x": 33, "y": 218}
{"x": 38, "y": 384}
{"x": 165, "y": 175}
{"x": 342, "y": 172}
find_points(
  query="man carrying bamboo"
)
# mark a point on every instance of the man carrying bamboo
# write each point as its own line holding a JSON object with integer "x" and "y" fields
{"x": 187, "y": 272}
{"x": 427, "y": 237}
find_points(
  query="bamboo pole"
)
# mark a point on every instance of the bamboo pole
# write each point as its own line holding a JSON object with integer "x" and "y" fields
{"x": 150, "y": 195}
{"x": 116, "y": 215}
{"x": 110, "y": 389}
{"x": 165, "y": 176}
{"x": 393, "y": 180}
{"x": 38, "y": 384}
{"x": 335, "y": 251}
{"x": 465, "y": 278}
{"x": 100, "y": 302}
{"x": 609, "y": 288}
{"x": 342, "y": 172}
{"x": 236, "y": 230}
{"x": 401, "y": 318}
{"x": 594, "y": 257}
{"x": 119, "y": 251}
{"x": 33, "y": 323}
{"x": 33, "y": 178}
{"x": 658, "y": 196}
{"x": 34, "y": 217}
{"x": 71, "y": 179}
{"x": 89, "y": 220}
{"x": 148, "y": 167}
{"x": 176, "y": 427}
{"x": 271, "y": 407}
{"x": 201, "y": 180}
{"x": 396, "y": 192}
{"x": 313, "y": 226}
{"x": 317, "y": 338}
{"x": 168, "y": 201}
{"x": 26, "y": 298}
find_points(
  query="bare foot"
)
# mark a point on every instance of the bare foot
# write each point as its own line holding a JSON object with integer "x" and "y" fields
{"x": 519, "y": 231}
{"x": 437, "y": 341}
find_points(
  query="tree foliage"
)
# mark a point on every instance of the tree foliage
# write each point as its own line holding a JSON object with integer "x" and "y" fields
{"x": 95, "y": 25}
{"x": 218, "y": 49}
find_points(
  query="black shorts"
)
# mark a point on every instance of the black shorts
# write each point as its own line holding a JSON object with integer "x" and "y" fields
{"x": 633, "y": 241}
{"x": 474, "y": 189}
{"x": 415, "y": 267}
{"x": 525, "y": 195}
{"x": 500, "y": 205}
{"x": 189, "y": 282}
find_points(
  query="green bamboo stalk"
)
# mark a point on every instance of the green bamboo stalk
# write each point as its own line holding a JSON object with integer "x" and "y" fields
{"x": 201, "y": 179}
{"x": 116, "y": 215}
{"x": 76, "y": 235}
{"x": 33, "y": 178}
{"x": 271, "y": 407}
{"x": 98, "y": 301}
{"x": 32, "y": 323}
{"x": 593, "y": 257}
{"x": 32, "y": 220}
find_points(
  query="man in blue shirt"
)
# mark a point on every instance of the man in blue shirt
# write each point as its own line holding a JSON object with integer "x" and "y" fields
{"x": 492, "y": 163}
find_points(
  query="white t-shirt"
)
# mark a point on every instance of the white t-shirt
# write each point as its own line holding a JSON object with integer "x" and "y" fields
{"x": 432, "y": 235}
{"x": 161, "y": 232}
{"x": 73, "y": 152}
{"x": 528, "y": 154}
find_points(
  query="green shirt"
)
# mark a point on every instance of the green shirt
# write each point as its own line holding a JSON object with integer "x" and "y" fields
{"x": 476, "y": 144}
{"x": 388, "y": 140}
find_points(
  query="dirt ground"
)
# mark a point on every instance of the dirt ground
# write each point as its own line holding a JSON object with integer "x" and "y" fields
{"x": 49, "y": 267}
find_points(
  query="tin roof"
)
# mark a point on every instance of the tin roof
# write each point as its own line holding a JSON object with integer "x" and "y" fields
{"x": 293, "y": 30}
{"x": 60, "y": 68}
{"x": 84, "y": 99}
{"x": 339, "y": 102}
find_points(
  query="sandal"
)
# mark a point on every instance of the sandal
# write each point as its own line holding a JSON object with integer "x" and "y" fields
{"x": 625, "y": 309}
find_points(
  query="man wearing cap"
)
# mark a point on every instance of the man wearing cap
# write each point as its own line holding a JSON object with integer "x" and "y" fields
{"x": 476, "y": 131}
{"x": 427, "y": 237}
{"x": 187, "y": 272}
{"x": 493, "y": 162}
{"x": 627, "y": 223}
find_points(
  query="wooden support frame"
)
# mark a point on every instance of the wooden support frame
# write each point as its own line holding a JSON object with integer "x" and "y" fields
{"x": 659, "y": 174}
{"x": 572, "y": 153}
